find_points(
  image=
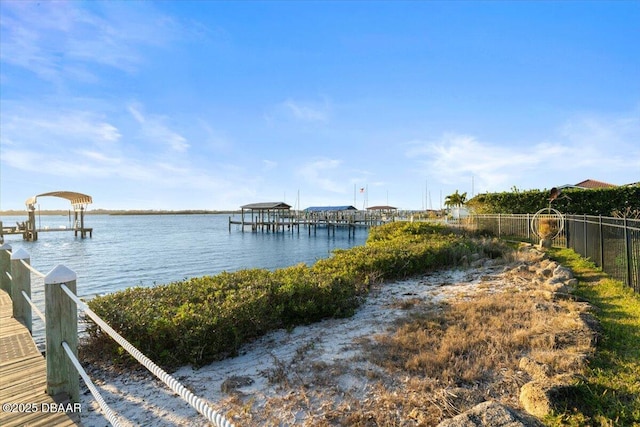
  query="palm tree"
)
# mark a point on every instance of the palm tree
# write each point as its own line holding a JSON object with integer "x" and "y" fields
{"x": 456, "y": 199}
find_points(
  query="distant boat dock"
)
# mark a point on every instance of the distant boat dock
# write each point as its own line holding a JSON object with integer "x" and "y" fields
{"x": 276, "y": 217}
{"x": 30, "y": 231}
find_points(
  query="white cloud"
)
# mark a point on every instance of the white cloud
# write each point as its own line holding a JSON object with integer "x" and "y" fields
{"x": 214, "y": 139}
{"x": 100, "y": 157}
{"x": 320, "y": 173}
{"x": 140, "y": 153}
{"x": 596, "y": 146}
{"x": 137, "y": 115}
{"x": 453, "y": 158}
{"x": 291, "y": 110}
{"x": 268, "y": 165}
{"x": 53, "y": 128}
{"x": 306, "y": 112}
{"x": 82, "y": 144}
{"x": 597, "y": 130}
{"x": 154, "y": 130}
{"x": 584, "y": 147}
{"x": 59, "y": 40}
{"x": 126, "y": 171}
{"x": 176, "y": 141}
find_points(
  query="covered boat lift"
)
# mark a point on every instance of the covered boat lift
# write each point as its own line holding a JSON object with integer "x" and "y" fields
{"x": 277, "y": 216}
{"x": 384, "y": 213}
{"x": 29, "y": 230}
{"x": 269, "y": 216}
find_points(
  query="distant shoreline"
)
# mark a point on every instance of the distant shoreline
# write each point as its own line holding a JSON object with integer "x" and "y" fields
{"x": 60, "y": 212}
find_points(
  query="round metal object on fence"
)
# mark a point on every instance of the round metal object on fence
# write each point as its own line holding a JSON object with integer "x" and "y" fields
{"x": 547, "y": 223}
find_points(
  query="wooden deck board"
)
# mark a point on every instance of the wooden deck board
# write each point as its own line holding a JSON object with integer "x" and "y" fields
{"x": 23, "y": 374}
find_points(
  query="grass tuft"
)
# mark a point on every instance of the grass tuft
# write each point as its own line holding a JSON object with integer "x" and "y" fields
{"x": 609, "y": 393}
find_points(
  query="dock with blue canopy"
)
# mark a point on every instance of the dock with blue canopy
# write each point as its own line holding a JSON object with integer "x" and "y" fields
{"x": 278, "y": 216}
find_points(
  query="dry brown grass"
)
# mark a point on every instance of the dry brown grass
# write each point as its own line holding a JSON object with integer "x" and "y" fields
{"x": 437, "y": 362}
{"x": 450, "y": 359}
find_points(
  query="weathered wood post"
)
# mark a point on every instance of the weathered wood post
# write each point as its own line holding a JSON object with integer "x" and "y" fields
{"x": 5, "y": 267}
{"x": 21, "y": 281}
{"x": 83, "y": 233}
{"x": 31, "y": 233}
{"x": 62, "y": 326}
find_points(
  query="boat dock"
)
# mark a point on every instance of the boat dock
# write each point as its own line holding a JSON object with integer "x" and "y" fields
{"x": 31, "y": 234}
{"x": 275, "y": 217}
{"x": 28, "y": 228}
{"x": 23, "y": 378}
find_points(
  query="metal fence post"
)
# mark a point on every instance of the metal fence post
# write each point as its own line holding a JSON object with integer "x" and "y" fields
{"x": 62, "y": 326}
{"x": 5, "y": 267}
{"x": 21, "y": 281}
{"x": 584, "y": 234}
{"x": 627, "y": 251}
{"x": 601, "y": 242}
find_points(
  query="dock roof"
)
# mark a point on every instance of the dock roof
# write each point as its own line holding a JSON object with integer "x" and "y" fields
{"x": 267, "y": 205}
{"x": 72, "y": 196}
{"x": 381, "y": 208}
{"x": 330, "y": 208}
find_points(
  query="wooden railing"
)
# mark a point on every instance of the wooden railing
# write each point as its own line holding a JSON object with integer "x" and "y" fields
{"x": 61, "y": 332}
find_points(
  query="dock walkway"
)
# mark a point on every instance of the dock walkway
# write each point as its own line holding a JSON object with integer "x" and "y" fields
{"x": 23, "y": 378}
{"x": 293, "y": 223}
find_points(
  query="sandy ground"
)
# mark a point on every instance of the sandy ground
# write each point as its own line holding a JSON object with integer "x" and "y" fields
{"x": 332, "y": 346}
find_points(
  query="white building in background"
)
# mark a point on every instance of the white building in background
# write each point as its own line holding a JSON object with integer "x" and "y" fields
{"x": 459, "y": 212}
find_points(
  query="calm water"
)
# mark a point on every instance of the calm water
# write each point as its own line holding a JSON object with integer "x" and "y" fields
{"x": 130, "y": 251}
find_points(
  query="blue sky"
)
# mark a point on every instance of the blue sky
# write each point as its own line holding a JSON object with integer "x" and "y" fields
{"x": 212, "y": 105}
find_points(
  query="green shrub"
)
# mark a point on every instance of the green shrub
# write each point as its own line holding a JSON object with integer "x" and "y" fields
{"x": 601, "y": 201}
{"x": 199, "y": 320}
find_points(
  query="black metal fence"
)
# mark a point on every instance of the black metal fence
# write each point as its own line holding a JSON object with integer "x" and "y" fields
{"x": 613, "y": 244}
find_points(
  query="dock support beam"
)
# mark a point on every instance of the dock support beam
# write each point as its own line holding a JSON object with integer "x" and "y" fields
{"x": 61, "y": 313}
{"x": 31, "y": 233}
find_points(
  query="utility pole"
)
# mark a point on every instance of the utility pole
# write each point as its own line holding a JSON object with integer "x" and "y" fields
{"x": 472, "y": 189}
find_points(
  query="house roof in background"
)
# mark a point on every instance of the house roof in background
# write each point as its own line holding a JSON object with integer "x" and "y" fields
{"x": 592, "y": 183}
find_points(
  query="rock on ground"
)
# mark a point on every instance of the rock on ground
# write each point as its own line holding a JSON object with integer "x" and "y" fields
{"x": 491, "y": 414}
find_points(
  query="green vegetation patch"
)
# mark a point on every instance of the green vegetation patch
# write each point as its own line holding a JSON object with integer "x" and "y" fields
{"x": 600, "y": 201}
{"x": 200, "y": 320}
{"x": 609, "y": 394}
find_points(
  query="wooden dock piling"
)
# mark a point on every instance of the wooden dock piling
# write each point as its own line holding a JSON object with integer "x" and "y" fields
{"x": 5, "y": 267}
{"x": 62, "y": 326}
{"x": 21, "y": 282}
